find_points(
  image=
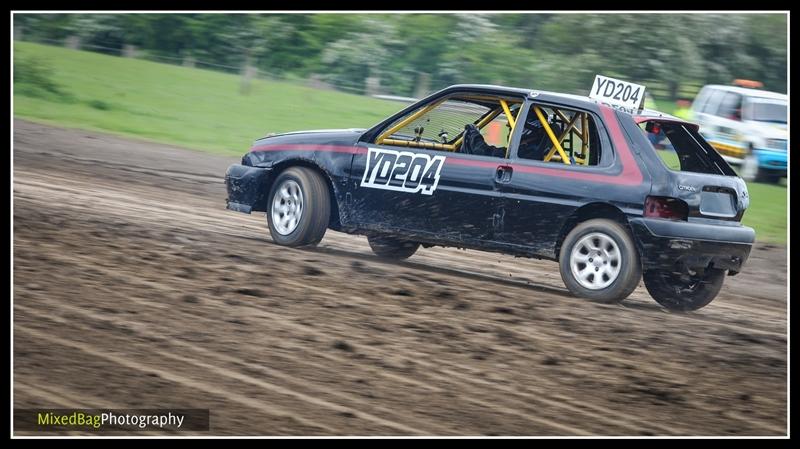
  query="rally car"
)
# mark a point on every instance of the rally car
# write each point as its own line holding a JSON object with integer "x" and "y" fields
{"x": 530, "y": 173}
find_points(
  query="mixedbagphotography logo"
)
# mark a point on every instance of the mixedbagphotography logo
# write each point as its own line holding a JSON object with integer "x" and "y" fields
{"x": 44, "y": 419}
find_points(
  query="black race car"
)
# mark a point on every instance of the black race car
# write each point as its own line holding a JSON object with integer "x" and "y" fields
{"x": 522, "y": 172}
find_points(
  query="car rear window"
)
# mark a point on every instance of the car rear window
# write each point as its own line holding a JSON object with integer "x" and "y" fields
{"x": 682, "y": 148}
{"x": 765, "y": 111}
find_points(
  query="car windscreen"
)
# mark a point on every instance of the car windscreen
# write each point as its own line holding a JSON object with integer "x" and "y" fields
{"x": 765, "y": 111}
{"x": 443, "y": 123}
{"x": 682, "y": 148}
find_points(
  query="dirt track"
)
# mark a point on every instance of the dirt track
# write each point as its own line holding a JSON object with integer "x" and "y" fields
{"x": 135, "y": 288}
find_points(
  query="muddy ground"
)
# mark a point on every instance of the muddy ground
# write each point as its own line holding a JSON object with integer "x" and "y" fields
{"x": 135, "y": 288}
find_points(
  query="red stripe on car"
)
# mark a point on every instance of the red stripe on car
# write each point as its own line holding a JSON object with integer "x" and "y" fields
{"x": 310, "y": 147}
{"x": 630, "y": 174}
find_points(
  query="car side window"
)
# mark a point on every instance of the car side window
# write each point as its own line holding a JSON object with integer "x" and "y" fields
{"x": 561, "y": 136}
{"x": 713, "y": 101}
{"x": 476, "y": 124}
{"x": 701, "y": 100}
{"x": 731, "y": 106}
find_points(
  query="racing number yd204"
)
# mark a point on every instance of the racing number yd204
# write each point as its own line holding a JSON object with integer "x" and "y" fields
{"x": 402, "y": 171}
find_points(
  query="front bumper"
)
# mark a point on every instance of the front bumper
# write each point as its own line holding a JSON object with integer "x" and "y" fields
{"x": 771, "y": 159}
{"x": 247, "y": 188}
{"x": 667, "y": 244}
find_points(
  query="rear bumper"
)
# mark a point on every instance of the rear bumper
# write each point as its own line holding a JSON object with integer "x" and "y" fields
{"x": 666, "y": 244}
{"x": 246, "y": 188}
{"x": 771, "y": 159}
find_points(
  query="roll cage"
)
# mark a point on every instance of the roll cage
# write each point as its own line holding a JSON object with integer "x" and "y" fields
{"x": 563, "y": 126}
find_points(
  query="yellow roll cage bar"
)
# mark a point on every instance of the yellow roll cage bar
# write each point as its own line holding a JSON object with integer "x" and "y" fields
{"x": 581, "y": 157}
{"x": 557, "y": 151}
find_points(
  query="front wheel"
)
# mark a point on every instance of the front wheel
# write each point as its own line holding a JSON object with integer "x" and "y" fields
{"x": 599, "y": 261}
{"x": 749, "y": 170}
{"x": 299, "y": 207}
{"x": 684, "y": 291}
{"x": 392, "y": 248}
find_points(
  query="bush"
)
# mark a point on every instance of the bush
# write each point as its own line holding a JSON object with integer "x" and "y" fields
{"x": 34, "y": 78}
{"x": 99, "y": 104}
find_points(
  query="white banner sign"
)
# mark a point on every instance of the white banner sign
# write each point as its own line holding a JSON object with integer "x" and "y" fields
{"x": 618, "y": 93}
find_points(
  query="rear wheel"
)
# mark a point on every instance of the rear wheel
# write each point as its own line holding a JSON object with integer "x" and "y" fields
{"x": 684, "y": 291}
{"x": 599, "y": 261}
{"x": 299, "y": 207}
{"x": 392, "y": 248}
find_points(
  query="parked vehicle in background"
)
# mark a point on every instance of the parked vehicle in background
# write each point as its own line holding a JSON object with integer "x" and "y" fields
{"x": 747, "y": 127}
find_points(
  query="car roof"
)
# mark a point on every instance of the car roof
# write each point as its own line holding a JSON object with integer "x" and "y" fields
{"x": 518, "y": 91}
{"x": 644, "y": 114}
{"x": 749, "y": 92}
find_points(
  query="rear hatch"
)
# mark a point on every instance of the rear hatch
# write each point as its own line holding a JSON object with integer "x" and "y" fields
{"x": 696, "y": 173}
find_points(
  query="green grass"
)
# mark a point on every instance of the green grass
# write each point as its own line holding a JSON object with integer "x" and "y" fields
{"x": 204, "y": 110}
{"x": 195, "y": 108}
{"x": 767, "y": 211}
{"x": 665, "y": 106}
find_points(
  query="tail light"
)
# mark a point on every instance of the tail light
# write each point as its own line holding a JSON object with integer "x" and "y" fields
{"x": 666, "y": 207}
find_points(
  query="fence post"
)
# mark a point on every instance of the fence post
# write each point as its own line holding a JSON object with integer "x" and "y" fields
{"x": 129, "y": 51}
{"x": 248, "y": 73}
{"x": 17, "y": 32}
{"x": 188, "y": 61}
{"x": 423, "y": 83}
{"x": 73, "y": 42}
{"x": 373, "y": 85}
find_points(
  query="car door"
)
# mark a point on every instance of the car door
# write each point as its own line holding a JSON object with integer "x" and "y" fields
{"x": 423, "y": 191}
{"x": 541, "y": 195}
{"x": 728, "y": 138}
{"x": 719, "y": 126}
{"x": 435, "y": 194}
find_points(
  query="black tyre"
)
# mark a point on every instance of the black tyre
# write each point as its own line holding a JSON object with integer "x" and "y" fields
{"x": 768, "y": 177}
{"x": 599, "y": 261}
{"x": 392, "y": 248}
{"x": 298, "y": 207}
{"x": 684, "y": 292}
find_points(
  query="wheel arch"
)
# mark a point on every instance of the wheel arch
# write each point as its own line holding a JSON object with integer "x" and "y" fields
{"x": 335, "y": 222}
{"x": 587, "y": 212}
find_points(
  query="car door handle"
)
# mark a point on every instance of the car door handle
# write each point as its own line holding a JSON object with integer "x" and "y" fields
{"x": 503, "y": 174}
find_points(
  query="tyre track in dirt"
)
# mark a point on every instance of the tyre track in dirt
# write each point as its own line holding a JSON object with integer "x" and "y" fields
{"x": 203, "y": 355}
{"x": 135, "y": 246}
{"x": 109, "y": 274}
{"x": 171, "y": 376}
{"x": 626, "y": 422}
{"x": 447, "y": 373}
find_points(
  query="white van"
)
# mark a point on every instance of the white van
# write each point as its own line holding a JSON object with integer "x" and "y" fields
{"x": 747, "y": 127}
